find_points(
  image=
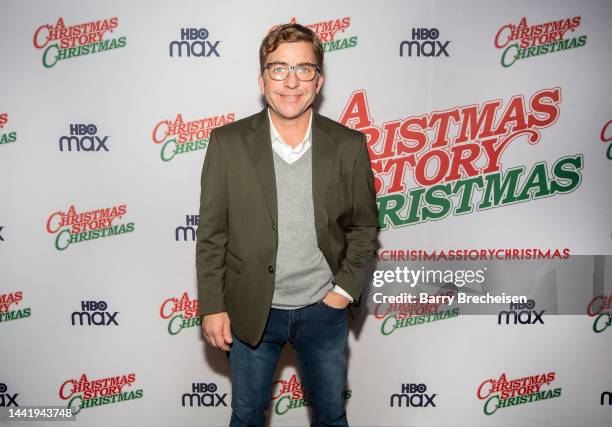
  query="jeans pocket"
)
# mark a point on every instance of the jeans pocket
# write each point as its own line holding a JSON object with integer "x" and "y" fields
{"x": 329, "y": 307}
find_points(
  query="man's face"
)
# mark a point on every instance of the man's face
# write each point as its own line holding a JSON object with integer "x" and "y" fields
{"x": 290, "y": 98}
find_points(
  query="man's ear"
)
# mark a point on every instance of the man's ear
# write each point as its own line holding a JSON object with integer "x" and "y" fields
{"x": 319, "y": 83}
{"x": 261, "y": 82}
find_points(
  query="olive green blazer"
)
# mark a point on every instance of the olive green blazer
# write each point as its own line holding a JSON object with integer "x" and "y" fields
{"x": 237, "y": 235}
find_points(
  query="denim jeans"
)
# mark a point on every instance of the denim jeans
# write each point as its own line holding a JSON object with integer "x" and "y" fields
{"x": 318, "y": 334}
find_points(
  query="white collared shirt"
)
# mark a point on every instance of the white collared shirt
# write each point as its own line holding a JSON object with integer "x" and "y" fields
{"x": 285, "y": 151}
{"x": 292, "y": 154}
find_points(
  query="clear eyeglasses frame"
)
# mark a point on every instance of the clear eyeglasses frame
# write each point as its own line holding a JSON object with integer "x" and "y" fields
{"x": 280, "y": 71}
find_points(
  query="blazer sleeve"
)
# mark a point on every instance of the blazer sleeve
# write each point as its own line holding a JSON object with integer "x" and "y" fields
{"x": 362, "y": 233}
{"x": 212, "y": 231}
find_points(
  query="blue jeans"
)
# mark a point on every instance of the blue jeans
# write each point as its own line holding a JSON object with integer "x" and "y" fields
{"x": 318, "y": 334}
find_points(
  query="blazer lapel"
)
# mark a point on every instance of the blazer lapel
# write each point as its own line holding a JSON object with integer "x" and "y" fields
{"x": 323, "y": 154}
{"x": 260, "y": 147}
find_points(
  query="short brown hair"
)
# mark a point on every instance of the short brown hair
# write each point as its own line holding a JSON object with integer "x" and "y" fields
{"x": 289, "y": 33}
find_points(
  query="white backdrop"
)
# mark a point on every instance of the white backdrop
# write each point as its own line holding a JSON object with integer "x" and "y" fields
{"x": 127, "y": 90}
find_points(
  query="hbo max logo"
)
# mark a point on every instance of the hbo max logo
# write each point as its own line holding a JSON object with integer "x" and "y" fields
{"x": 194, "y": 42}
{"x": 94, "y": 313}
{"x": 83, "y": 137}
{"x": 424, "y": 43}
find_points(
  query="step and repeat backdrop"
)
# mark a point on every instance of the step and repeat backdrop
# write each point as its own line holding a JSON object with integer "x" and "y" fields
{"x": 489, "y": 126}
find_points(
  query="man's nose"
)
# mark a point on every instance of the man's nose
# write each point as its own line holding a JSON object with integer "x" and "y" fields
{"x": 292, "y": 81}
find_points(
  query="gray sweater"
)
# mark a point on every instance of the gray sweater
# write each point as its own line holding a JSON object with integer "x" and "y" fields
{"x": 302, "y": 273}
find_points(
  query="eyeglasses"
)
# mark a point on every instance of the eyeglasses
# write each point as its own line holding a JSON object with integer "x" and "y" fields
{"x": 304, "y": 72}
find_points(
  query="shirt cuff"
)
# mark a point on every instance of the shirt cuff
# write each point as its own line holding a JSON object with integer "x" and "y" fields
{"x": 342, "y": 292}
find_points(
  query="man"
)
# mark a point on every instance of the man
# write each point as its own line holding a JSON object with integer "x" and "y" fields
{"x": 287, "y": 217}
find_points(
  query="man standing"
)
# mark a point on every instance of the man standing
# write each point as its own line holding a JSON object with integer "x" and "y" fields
{"x": 287, "y": 217}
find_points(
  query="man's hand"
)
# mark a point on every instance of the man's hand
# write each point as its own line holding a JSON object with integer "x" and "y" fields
{"x": 216, "y": 330}
{"x": 334, "y": 299}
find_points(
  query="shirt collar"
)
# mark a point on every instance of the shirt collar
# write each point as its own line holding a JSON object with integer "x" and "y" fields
{"x": 276, "y": 138}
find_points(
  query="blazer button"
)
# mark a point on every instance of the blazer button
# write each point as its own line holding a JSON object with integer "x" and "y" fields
{"x": 271, "y": 269}
{"x": 274, "y": 227}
